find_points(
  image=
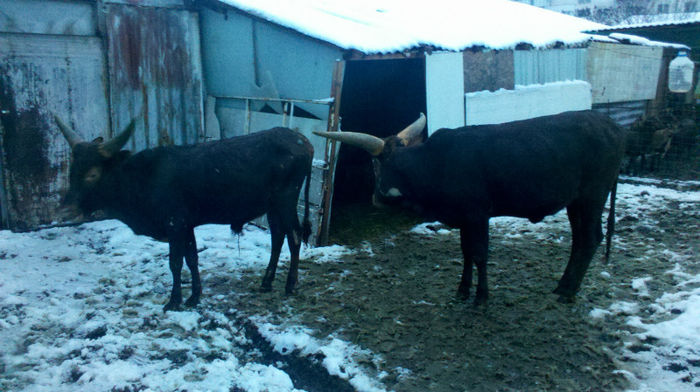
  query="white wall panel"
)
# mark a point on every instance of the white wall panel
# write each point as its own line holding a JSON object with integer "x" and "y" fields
{"x": 444, "y": 84}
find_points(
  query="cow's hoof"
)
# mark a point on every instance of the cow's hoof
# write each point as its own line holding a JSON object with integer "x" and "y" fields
{"x": 173, "y": 306}
{"x": 290, "y": 291}
{"x": 566, "y": 299}
{"x": 481, "y": 301}
{"x": 192, "y": 302}
{"x": 266, "y": 288}
{"x": 462, "y": 295}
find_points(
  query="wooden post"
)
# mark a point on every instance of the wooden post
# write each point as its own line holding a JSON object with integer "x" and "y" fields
{"x": 333, "y": 124}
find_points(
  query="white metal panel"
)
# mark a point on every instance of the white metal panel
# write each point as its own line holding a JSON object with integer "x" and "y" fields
{"x": 525, "y": 102}
{"x": 621, "y": 73}
{"x": 444, "y": 85}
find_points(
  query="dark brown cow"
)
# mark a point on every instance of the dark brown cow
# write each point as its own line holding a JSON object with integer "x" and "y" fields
{"x": 165, "y": 192}
{"x": 529, "y": 169}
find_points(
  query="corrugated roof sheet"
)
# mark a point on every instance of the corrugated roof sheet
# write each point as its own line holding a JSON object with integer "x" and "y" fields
{"x": 638, "y": 21}
{"x": 386, "y": 26}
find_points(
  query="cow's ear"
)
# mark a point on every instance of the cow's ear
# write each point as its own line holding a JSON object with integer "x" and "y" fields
{"x": 122, "y": 155}
{"x": 117, "y": 158}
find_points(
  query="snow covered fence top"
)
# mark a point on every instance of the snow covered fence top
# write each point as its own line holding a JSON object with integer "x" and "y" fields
{"x": 387, "y": 26}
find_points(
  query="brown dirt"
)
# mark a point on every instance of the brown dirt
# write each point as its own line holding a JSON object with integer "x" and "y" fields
{"x": 400, "y": 302}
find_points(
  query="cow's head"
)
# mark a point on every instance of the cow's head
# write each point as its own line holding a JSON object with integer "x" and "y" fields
{"x": 391, "y": 182}
{"x": 91, "y": 161}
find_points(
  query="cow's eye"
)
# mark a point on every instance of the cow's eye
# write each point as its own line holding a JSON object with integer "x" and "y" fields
{"x": 93, "y": 175}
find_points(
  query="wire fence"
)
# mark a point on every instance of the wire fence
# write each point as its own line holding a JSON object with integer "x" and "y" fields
{"x": 666, "y": 145}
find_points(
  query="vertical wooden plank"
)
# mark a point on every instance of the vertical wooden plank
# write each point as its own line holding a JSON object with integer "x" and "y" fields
{"x": 333, "y": 124}
{"x": 4, "y": 213}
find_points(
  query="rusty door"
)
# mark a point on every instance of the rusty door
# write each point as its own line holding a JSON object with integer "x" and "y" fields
{"x": 155, "y": 73}
{"x": 39, "y": 74}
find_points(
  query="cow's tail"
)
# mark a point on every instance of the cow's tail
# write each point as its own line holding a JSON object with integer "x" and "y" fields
{"x": 611, "y": 222}
{"x": 306, "y": 224}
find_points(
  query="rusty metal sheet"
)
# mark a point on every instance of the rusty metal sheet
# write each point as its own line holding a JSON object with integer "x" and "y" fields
{"x": 155, "y": 72}
{"x": 40, "y": 74}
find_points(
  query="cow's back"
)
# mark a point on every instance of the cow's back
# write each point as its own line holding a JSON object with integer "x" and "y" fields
{"x": 530, "y": 168}
{"x": 229, "y": 181}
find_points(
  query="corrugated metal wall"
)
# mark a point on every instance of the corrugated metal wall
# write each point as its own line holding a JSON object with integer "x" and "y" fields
{"x": 549, "y": 65}
{"x": 624, "y": 113}
{"x": 155, "y": 70}
{"x": 53, "y": 59}
{"x": 50, "y": 60}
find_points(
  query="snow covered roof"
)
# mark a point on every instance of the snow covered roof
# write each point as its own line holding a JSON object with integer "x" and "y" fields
{"x": 387, "y": 26}
{"x": 637, "y": 21}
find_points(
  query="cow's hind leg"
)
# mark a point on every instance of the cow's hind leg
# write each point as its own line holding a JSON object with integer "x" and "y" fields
{"x": 293, "y": 231}
{"x": 586, "y": 234}
{"x": 192, "y": 260}
{"x": 474, "y": 239}
{"x": 176, "y": 255}
{"x": 277, "y": 238}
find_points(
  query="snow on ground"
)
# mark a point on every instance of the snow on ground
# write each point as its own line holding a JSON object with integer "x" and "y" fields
{"x": 81, "y": 308}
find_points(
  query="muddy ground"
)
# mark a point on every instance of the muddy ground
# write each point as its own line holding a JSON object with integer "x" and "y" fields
{"x": 396, "y": 297}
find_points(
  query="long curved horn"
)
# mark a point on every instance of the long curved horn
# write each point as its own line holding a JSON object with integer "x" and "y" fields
{"x": 71, "y": 136}
{"x": 412, "y": 132}
{"x": 369, "y": 143}
{"x": 113, "y": 146}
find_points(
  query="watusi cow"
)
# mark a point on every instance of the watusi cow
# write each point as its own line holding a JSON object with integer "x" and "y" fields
{"x": 165, "y": 192}
{"x": 528, "y": 169}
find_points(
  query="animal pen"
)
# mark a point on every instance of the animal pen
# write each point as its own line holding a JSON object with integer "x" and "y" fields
{"x": 203, "y": 70}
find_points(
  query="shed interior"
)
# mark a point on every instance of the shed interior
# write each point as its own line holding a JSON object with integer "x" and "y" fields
{"x": 379, "y": 97}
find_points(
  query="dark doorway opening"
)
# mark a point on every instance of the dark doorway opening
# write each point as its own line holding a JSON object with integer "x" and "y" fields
{"x": 380, "y": 97}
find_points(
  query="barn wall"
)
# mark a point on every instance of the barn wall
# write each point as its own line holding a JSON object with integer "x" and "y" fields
{"x": 244, "y": 56}
{"x": 47, "y": 17}
{"x": 488, "y": 70}
{"x": 96, "y": 69}
{"x": 155, "y": 73}
{"x": 525, "y": 102}
{"x": 622, "y": 73}
{"x": 40, "y": 74}
{"x": 549, "y": 65}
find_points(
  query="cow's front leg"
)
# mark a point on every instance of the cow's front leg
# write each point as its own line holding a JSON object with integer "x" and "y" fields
{"x": 192, "y": 260}
{"x": 474, "y": 239}
{"x": 176, "y": 254}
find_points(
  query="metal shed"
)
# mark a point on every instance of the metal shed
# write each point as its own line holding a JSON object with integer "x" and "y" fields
{"x": 208, "y": 69}
{"x": 393, "y": 66}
